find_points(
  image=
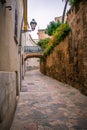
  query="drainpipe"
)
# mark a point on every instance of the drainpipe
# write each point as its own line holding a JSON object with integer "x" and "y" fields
{"x": 25, "y": 14}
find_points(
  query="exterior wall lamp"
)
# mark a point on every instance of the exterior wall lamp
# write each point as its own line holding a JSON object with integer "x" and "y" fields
{"x": 33, "y": 25}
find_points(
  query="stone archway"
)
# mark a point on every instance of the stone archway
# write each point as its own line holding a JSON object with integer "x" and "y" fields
{"x": 33, "y": 55}
{"x": 27, "y": 56}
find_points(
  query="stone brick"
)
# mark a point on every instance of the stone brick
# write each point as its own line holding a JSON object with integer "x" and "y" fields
{"x": 68, "y": 61}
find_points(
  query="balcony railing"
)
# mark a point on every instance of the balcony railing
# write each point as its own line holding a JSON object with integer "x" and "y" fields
{"x": 33, "y": 49}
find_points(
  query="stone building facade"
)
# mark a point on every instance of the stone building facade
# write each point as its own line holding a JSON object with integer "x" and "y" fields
{"x": 42, "y": 34}
{"x": 68, "y": 62}
{"x": 10, "y": 24}
{"x": 60, "y": 18}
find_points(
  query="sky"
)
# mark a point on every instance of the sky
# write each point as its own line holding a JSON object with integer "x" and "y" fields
{"x": 43, "y": 11}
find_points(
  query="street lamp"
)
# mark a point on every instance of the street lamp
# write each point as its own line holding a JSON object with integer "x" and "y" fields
{"x": 33, "y": 25}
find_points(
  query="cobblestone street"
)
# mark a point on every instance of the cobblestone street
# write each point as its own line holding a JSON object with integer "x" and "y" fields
{"x": 46, "y": 104}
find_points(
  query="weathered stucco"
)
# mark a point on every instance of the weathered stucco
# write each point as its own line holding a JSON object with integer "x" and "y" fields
{"x": 7, "y": 98}
{"x": 9, "y": 60}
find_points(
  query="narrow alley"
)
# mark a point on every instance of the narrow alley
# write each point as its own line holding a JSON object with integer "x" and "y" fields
{"x": 46, "y": 104}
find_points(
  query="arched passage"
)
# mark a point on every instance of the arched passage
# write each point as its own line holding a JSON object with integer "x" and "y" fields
{"x": 27, "y": 59}
{"x": 34, "y": 55}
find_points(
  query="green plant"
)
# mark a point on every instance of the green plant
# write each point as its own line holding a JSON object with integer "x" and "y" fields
{"x": 49, "y": 49}
{"x": 43, "y": 42}
{"x": 52, "y": 27}
{"x": 61, "y": 32}
{"x": 41, "y": 60}
{"x": 74, "y": 2}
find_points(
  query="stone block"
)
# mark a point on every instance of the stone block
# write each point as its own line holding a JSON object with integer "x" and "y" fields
{"x": 68, "y": 61}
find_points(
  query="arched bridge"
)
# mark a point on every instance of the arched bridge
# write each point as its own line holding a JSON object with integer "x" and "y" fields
{"x": 33, "y": 51}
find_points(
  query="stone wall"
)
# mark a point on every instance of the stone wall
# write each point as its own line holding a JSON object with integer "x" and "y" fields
{"x": 7, "y": 98}
{"x": 68, "y": 62}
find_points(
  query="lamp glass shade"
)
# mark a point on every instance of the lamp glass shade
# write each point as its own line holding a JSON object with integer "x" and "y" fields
{"x": 33, "y": 24}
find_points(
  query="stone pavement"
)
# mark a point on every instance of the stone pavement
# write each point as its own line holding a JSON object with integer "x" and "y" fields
{"x": 46, "y": 104}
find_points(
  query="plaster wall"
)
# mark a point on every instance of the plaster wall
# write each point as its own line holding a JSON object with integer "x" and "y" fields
{"x": 7, "y": 98}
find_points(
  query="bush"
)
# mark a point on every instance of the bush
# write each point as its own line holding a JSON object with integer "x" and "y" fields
{"x": 43, "y": 43}
{"x": 52, "y": 27}
{"x": 61, "y": 32}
